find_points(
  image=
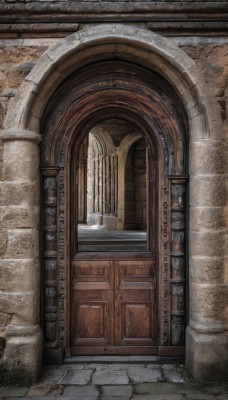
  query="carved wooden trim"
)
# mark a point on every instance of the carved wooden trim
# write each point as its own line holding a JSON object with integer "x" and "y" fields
{"x": 178, "y": 258}
{"x": 165, "y": 265}
{"x": 50, "y": 251}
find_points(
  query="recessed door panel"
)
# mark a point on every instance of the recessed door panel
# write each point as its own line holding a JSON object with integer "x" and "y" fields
{"x": 92, "y": 303}
{"x": 135, "y": 303}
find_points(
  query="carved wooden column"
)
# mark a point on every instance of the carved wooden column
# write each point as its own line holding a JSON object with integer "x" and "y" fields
{"x": 50, "y": 255}
{"x": 178, "y": 218}
{"x": 165, "y": 317}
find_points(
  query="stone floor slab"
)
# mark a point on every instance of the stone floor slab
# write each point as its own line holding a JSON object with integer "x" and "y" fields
{"x": 173, "y": 376}
{"x": 52, "y": 375}
{"x": 13, "y": 391}
{"x": 206, "y": 396}
{"x": 44, "y": 390}
{"x": 81, "y": 392}
{"x": 109, "y": 377}
{"x": 97, "y": 366}
{"x": 159, "y": 397}
{"x": 76, "y": 377}
{"x": 170, "y": 367}
{"x": 166, "y": 388}
{"x": 117, "y": 391}
{"x": 72, "y": 366}
{"x": 115, "y": 398}
{"x": 140, "y": 374}
{"x": 153, "y": 366}
{"x": 216, "y": 389}
{"x": 53, "y": 398}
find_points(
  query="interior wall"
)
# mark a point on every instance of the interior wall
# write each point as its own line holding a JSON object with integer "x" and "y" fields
{"x": 135, "y": 187}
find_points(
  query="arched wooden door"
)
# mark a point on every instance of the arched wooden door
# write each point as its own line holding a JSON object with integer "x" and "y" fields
{"x": 115, "y": 302}
{"x": 114, "y": 269}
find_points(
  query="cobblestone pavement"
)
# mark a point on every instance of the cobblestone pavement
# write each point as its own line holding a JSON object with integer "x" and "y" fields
{"x": 123, "y": 381}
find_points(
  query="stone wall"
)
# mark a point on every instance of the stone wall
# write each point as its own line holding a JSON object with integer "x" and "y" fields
{"x": 19, "y": 208}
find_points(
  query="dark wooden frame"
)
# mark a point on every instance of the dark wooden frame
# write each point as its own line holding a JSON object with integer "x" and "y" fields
{"x": 97, "y": 91}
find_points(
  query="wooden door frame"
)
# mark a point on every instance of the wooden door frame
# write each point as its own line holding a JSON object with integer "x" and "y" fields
{"x": 167, "y": 130}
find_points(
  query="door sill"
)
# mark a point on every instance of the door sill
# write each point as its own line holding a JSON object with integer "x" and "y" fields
{"x": 128, "y": 352}
{"x": 124, "y": 359}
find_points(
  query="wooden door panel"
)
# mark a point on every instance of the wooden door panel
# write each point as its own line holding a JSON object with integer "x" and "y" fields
{"x": 134, "y": 303}
{"x": 92, "y": 303}
{"x": 92, "y": 325}
{"x": 141, "y": 272}
{"x": 92, "y": 274}
{"x": 137, "y": 323}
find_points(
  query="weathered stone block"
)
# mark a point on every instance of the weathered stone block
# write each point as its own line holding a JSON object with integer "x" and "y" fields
{"x": 19, "y": 193}
{"x": 208, "y": 157}
{"x": 204, "y": 269}
{"x": 5, "y": 319}
{"x": 19, "y": 275}
{"x": 22, "y": 243}
{"x": 19, "y": 217}
{"x": 24, "y": 306}
{"x": 206, "y": 356}
{"x": 207, "y": 218}
{"x": 3, "y": 241}
{"x": 24, "y": 358}
{"x": 207, "y": 243}
{"x": 197, "y": 127}
{"x": 20, "y": 161}
{"x": 1, "y": 153}
{"x": 226, "y": 244}
{"x": 207, "y": 301}
{"x": 226, "y": 270}
{"x": 17, "y": 113}
{"x": 207, "y": 190}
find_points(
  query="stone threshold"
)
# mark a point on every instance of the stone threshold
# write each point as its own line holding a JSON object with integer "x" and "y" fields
{"x": 123, "y": 359}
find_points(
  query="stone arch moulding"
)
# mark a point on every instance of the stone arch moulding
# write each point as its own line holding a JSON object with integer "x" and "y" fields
{"x": 22, "y": 127}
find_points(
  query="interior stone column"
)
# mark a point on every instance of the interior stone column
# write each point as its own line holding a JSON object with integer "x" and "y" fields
{"x": 19, "y": 266}
{"x": 207, "y": 343}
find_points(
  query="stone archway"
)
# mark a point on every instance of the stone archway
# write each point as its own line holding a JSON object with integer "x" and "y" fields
{"x": 22, "y": 130}
{"x": 124, "y": 90}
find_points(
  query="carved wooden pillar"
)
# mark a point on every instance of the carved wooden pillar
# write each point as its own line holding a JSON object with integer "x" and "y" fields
{"x": 178, "y": 218}
{"x": 50, "y": 255}
{"x": 165, "y": 317}
{"x": 116, "y": 184}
